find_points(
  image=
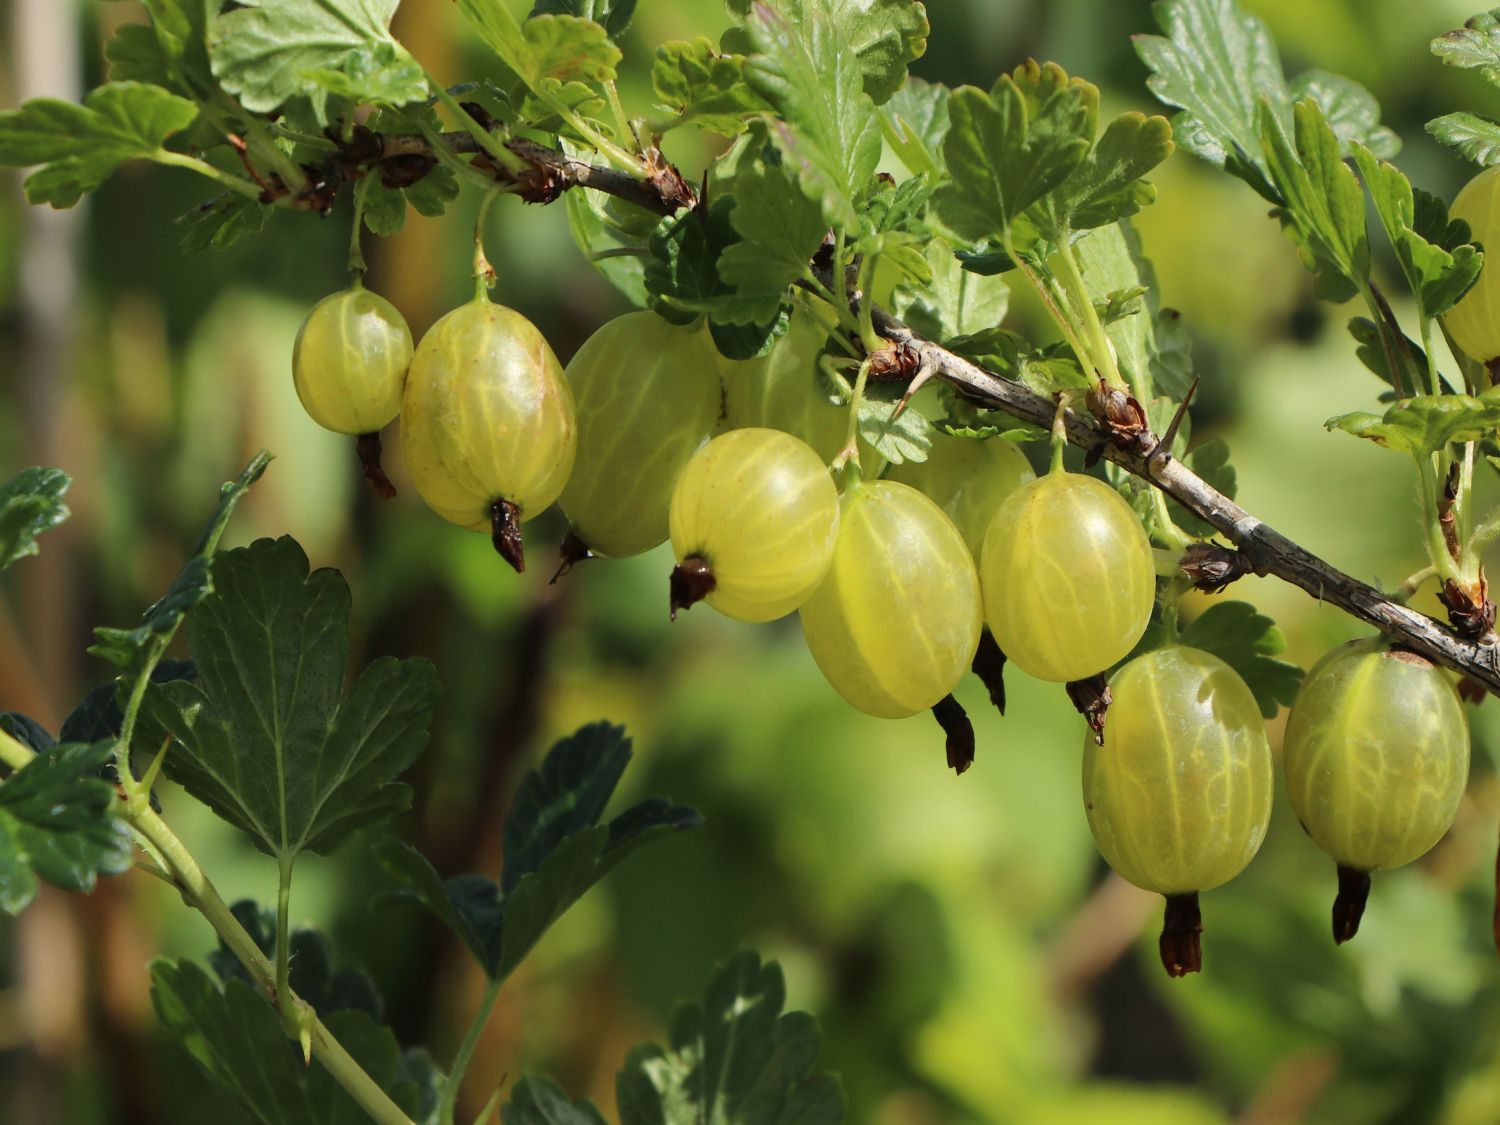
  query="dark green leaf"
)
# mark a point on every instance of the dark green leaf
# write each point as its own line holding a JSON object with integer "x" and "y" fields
{"x": 1474, "y": 137}
{"x": 1475, "y": 46}
{"x": 682, "y": 274}
{"x": 56, "y": 823}
{"x": 27, "y": 731}
{"x": 136, "y": 55}
{"x": 236, "y": 1037}
{"x": 263, "y": 737}
{"x": 220, "y": 222}
{"x": 78, "y": 146}
{"x": 540, "y": 1101}
{"x": 955, "y": 302}
{"x": 1425, "y": 423}
{"x": 30, "y": 503}
{"x": 1438, "y": 261}
{"x": 1375, "y": 348}
{"x": 703, "y": 87}
{"x": 828, "y": 130}
{"x": 748, "y": 341}
{"x": 469, "y": 905}
{"x": 1351, "y": 111}
{"x": 1108, "y": 186}
{"x": 612, "y": 15}
{"x": 734, "y": 1059}
{"x": 1250, "y": 643}
{"x": 916, "y": 121}
{"x": 268, "y": 52}
{"x": 1324, "y": 212}
{"x": 136, "y": 650}
{"x": 780, "y": 230}
{"x": 562, "y": 47}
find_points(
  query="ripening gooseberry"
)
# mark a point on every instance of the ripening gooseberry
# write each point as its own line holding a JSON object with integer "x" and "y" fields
{"x": 754, "y": 518}
{"x": 1376, "y": 758}
{"x": 1068, "y": 577}
{"x": 647, "y": 395}
{"x": 1475, "y": 321}
{"x": 969, "y": 479}
{"x": 895, "y": 624}
{"x": 1178, "y": 796}
{"x": 487, "y": 422}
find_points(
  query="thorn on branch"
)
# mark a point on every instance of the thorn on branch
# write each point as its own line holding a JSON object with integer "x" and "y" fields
{"x": 1092, "y": 698}
{"x": 1212, "y": 568}
{"x": 1163, "y": 448}
{"x": 959, "y": 733}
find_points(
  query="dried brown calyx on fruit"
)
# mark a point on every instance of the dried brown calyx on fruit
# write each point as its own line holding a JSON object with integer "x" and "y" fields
{"x": 692, "y": 581}
{"x": 1092, "y": 699}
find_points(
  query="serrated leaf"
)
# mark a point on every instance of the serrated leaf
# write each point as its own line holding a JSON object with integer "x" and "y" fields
{"x": 703, "y": 87}
{"x": 1425, "y": 423}
{"x": 616, "y": 248}
{"x": 79, "y": 146}
{"x": 1218, "y": 63}
{"x": 1250, "y": 643}
{"x": 897, "y": 438}
{"x": 262, "y": 736}
{"x": 827, "y": 130}
{"x": 955, "y": 302}
{"x": 269, "y": 52}
{"x": 555, "y": 850}
{"x": 1436, "y": 257}
{"x": 1108, "y": 186}
{"x": 56, "y": 824}
{"x": 780, "y": 230}
{"x": 916, "y": 121}
{"x": 220, "y": 222}
{"x": 733, "y": 1059}
{"x": 236, "y": 1037}
{"x": 137, "y": 650}
{"x": 562, "y": 47}
{"x": 30, "y": 503}
{"x": 1324, "y": 209}
{"x": 1475, "y": 46}
{"x": 1117, "y": 304}
{"x": 682, "y": 278}
{"x": 1474, "y": 137}
{"x": 540, "y": 1101}
{"x": 612, "y": 15}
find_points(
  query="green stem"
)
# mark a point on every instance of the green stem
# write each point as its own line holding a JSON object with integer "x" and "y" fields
{"x": 850, "y": 453}
{"x": 357, "y": 265}
{"x": 259, "y": 138}
{"x": 204, "y": 168}
{"x": 1059, "y": 435}
{"x": 484, "y": 273}
{"x": 867, "y": 334}
{"x": 447, "y": 157}
{"x": 283, "y": 933}
{"x": 1050, "y": 303}
{"x": 844, "y": 318}
{"x": 618, "y": 108}
{"x": 1168, "y": 563}
{"x": 466, "y": 1052}
{"x": 1165, "y": 526}
{"x": 1437, "y": 547}
{"x": 1413, "y": 583}
{"x": 13, "y": 753}
{"x": 1485, "y": 534}
{"x": 492, "y": 147}
{"x": 1071, "y": 276}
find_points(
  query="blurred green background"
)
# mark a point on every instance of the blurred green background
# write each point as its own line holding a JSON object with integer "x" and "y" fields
{"x": 966, "y": 951}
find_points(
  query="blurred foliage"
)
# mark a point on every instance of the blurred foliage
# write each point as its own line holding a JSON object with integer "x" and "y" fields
{"x": 966, "y": 954}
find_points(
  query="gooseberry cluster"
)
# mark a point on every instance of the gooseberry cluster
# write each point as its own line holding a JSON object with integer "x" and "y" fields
{"x": 903, "y": 576}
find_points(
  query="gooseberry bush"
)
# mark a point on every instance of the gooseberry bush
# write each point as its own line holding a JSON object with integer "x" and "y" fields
{"x": 819, "y": 403}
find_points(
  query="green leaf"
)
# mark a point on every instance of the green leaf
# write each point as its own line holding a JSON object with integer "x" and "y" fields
{"x": 1218, "y": 64}
{"x": 780, "y": 230}
{"x": 612, "y": 15}
{"x": 1108, "y": 186}
{"x": 236, "y": 1037}
{"x": 30, "y": 503}
{"x": 268, "y": 52}
{"x": 136, "y": 650}
{"x": 1475, "y": 46}
{"x": 1474, "y": 137}
{"x": 1372, "y": 350}
{"x": 1007, "y": 149}
{"x": 682, "y": 276}
{"x": 562, "y": 47}
{"x": 27, "y": 731}
{"x": 1324, "y": 209}
{"x": 702, "y": 87}
{"x": 828, "y": 130}
{"x": 733, "y": 1059}
{"x": 540, "y": 1101}
{"x": 555, "y": 850}
{"x": 263, "y": 737}
{"x": 1250, "y": 643}
{"x": 1436, "y": 257}
{"x": 955, "y": 302}
{"x": 220, "y": 222}
{"x": 897, "y": 438}
{"x": 1210, "y": 461}
{"x": 603, "y": 229}
{"x": 56, "y": 823}
{"x": 79, "y": 146}
{"x": 916, "y": 121}
{"x": 136, "y": 55}
{"x": 1425, "y": 424}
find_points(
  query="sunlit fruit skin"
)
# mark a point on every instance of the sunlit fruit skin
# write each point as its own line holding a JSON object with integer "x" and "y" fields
{"x": 1179, "y": 795}
{"x": 779, "y": 391}
{"x": 487, "y": 416}
{"x": 1376, "y": 755}
{"x": 349, "y": 361}
{"x": 647, "y": 395}
{"x": 760, "y": 508}
{"x": 895, "y": 624}
{"x": 1475, "y": 321}
{"x": 1068, "y": 577}
{"x": 969, "y": 479}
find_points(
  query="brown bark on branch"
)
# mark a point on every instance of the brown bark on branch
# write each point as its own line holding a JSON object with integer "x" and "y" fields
{"x": 1268, "y": 551}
